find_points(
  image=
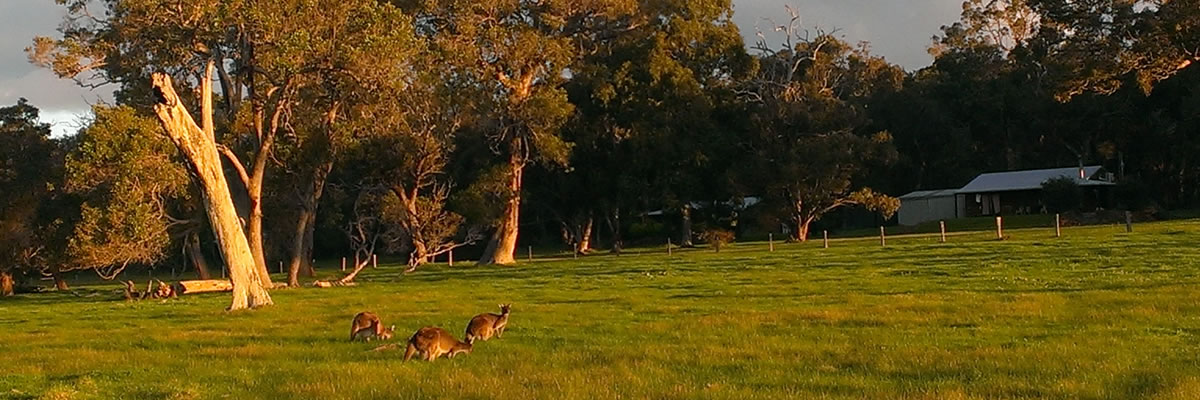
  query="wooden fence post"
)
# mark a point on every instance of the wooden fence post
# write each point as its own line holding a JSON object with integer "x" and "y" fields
{"x": 451, "y": 258}
{"x": 825, "y": 234}
{"x": 999, "y": 228}
{"x": 943, "y": 226}
{"x": 1128, "y": 222}
{"x": 1057, "y": 226}
{"x": 771, "y": 241}
{"x": 882, "y": 237}
{"x": 530, "y": 253}
{"x": 343, "y": 264}
{"x": 374, "y": 261}
{"x": 668, "y": 246}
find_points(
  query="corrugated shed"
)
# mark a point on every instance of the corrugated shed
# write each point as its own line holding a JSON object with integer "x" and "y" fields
{"x": 1032, "y": 179}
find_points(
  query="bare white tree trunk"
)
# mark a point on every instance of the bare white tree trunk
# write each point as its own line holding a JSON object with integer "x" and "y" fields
{"x": 198, "y": 146}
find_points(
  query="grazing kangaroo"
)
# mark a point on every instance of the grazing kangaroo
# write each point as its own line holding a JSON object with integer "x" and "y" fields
{"x": 366, "y": 325}
{"x": 433, "y": 342}
{"x": 483, "y": 326}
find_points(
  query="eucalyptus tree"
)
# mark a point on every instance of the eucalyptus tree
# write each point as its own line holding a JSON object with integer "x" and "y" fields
{"x": 645, "y": 93}
{"x": 263, "y": 54}
{"x": 515, "y": 56}
{"x": 808, "y": 144}
{"x": 27, "y": 178}
{"x": 134, "y": 201}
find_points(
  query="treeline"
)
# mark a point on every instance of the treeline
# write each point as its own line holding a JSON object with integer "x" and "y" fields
{"x": 413, "y": 128}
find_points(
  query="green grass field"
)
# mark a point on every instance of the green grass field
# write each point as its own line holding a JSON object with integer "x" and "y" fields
{"x": 1098, "y": 314}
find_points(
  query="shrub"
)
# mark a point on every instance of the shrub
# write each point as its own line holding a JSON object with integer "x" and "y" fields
{"x": 717, "y": 238}
{"x": 1062, "y": 194}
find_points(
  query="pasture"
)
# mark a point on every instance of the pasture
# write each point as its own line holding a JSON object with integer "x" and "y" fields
{"x": 1097, "y": 314}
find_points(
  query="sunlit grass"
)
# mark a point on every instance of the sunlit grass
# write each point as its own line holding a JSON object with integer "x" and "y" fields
{"x": 1098, "y": 314}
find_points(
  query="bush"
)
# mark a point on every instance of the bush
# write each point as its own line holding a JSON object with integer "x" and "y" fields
{"x": 1062, "y": 194}
{"x": 717, "y": 238}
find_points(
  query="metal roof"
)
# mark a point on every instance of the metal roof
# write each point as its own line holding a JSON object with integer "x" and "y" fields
{"x": 929, "y": 194}
{"x": 1031, "y": 179}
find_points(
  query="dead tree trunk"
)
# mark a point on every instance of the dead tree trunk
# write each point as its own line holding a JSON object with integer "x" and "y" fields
{"x": 196, "y": 255}
{"x": 503, "y": 245}
{"x": 7, "y": 286}
{"x": 249, "y": 290}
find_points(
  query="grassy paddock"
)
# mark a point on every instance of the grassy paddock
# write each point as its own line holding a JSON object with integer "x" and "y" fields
{"x": 1097, "y": 314}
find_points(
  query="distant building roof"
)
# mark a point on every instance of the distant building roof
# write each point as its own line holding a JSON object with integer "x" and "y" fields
{"x": 929, "y": 194}
{"x": 1032, "y": 179}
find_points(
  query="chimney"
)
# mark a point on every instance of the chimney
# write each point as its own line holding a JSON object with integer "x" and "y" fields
{"x": 1082, "y": 175}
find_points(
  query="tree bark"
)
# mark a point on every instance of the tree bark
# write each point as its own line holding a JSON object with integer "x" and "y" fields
{"x": 802, "y": 225}
{"x": 686, "y": 233}
{"x": 584, "y": 242}
{"x": 613, "y": 218}
{"x": 249, "y": 290}
{"x": 6, "y": 283}
{"x": 298, "y": 258}
{"x": 255, "y": 236}
{"x": 503, "y": 245}
{"x": 196, "y": 255}
{"x": 301, "y": 258}
{"x": 59, "y": 282}
{"x": 310, "y": 231}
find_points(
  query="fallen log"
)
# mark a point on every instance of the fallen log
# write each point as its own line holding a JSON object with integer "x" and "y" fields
{"x": 329, "y": 284}
{"x": 203, "y": 286}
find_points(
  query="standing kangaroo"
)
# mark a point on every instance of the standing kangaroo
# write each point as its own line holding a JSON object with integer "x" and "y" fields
{"x": 366, "y": 325}
{"x": 433, "y": 342}
{"x": 483, "y": 326}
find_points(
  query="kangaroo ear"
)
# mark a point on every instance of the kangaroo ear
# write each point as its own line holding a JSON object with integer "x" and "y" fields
{"x": 392, "y": 328}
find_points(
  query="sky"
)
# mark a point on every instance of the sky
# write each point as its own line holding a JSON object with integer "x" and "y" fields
{"x": 898, "y": 30}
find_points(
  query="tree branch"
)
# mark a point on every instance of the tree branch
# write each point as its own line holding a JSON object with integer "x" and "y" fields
{"x": 237, "y": 164}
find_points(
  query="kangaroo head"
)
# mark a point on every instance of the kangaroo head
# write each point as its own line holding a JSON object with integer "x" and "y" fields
{"x": 505, "y": 308}
{"x": 387, "y": 333}
{"x": 461, "y": 347}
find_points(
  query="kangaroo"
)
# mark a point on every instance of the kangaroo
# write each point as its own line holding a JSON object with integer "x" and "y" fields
{"x": 366, "y": 325}
{"x": 433, "y": 342}
{"x": 483, "y": 326}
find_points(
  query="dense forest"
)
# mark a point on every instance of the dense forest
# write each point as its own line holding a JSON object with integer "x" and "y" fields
{"x": 250, "y": 133}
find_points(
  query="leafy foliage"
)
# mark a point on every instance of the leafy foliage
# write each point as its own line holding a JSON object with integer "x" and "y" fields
{"x": 1062, "y": 194}
{"x": 129, "y": 180}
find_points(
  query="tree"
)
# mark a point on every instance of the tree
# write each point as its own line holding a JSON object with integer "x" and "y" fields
{"x": 263, "y": 52}
{"x": 129, "y": 183}
{"x": 403, "y": 148}
{"x": 1099, "y": 44}
{"x": 806, "y": 136}
{"x": 646, "y": 92}
{"x": 1062, "y": 194}
{"x": 516, "y": 53}
{"x": 27, "y": 177}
